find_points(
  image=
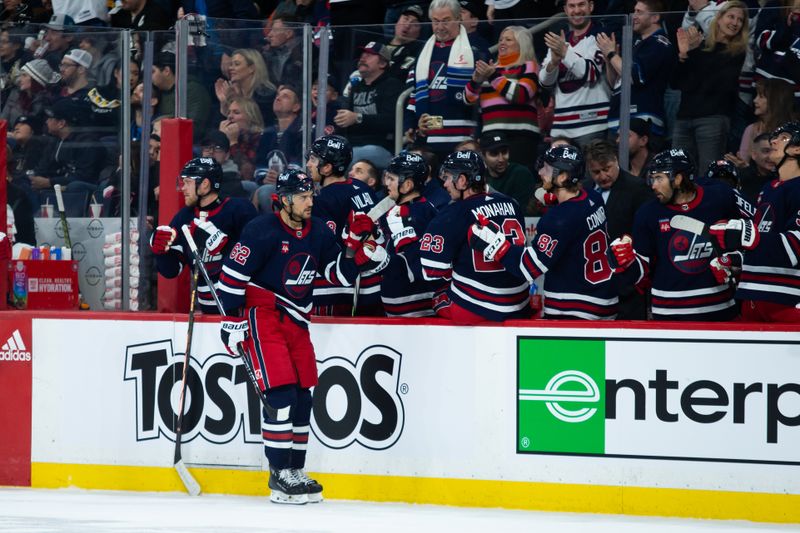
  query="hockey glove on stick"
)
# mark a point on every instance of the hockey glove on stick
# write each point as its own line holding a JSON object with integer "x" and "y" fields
{"x": 545, "y": 198}
{"x": 726, "y": 267}
{"x": 162, "y": 239}
{"x": 487, "y": 237}
{"x": 217, "y": 239}
{"x": 371, "y": 258}
{"x": 735, "y": 234}
{"x": 399, "y": 221}
{"x": 622, "y": 248}
{"x": 234, "y": 332}
{"x": 360, "y": 227}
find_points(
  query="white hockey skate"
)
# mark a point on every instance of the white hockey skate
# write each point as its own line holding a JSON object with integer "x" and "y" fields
{"x": 286, "y": 487}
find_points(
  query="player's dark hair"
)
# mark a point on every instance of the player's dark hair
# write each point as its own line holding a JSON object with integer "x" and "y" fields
{"x": 372, "y": 171}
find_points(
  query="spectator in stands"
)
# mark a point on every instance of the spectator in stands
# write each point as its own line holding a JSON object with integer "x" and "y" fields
{"x": 57, "y": 40}
{"x": 507, "y": 91}
{"x": 285, "y": 136}
{"x": 700, "y": 14}
{"x": 216, "y": 144}
{"x": 471, "y": 14}
{"x": 573, "y": 70}
{"x": 500, "y": 10}
{"x": 777, "y": 41}
{"x": 138, "y": 107}
{"x": 623, "y": 194}
{"x": 759, "y": 171}
{"x": 443, "y": 68}
{"x": 403, "y": 46}
{"x": 27, "y": 149}
{"x": 313, "y": 12}
{"x": 653, "y": 61}
{"x": 33, "y": 92}
{"x": 772, "y": 106}
{"x": 74, "y": 69}
{"x": 708, "y": 80}
{"x": 243, "y": 127}
{"x": 511, "y": 179}
{"x": 284, "y": 57}
{"x": 76, "y": 160}
{"x": 198, "y": 101}
{"x": 142, "y": 15}
{"x": 365, "y": 117}
{"x": 639, "y": 152}
{"x": 12, "y": 56}
{"x": 101, "y": 72}
{"x": 332, "y": 104}
{"x": 247, "y": 77}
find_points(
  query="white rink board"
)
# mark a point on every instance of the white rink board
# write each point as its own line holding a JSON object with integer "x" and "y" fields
{"x": 456, "y": 386}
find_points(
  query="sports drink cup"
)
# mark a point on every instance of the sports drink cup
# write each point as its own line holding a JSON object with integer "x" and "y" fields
{"x": 47, "y": 211}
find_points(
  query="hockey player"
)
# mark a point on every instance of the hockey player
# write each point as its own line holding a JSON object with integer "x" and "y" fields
{"x": 570, "y": 246}
{"x": 328, "y": 161}
{"x": 404, "y": 292}
{"x": 270, "y": 273}
{"x": 478, "y": 289}
{"x": 770, "y": 273}
{"x": 688, "y": 281}
{"x": 215, "y": 223}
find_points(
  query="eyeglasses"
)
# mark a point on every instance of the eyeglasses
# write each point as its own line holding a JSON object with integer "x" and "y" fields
{"x": 67, "y": 65}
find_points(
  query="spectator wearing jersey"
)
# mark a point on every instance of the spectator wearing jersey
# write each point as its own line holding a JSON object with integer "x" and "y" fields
{"x": 373, "y": 98}
{"x": 707, "y": 76}
{"x": 653, "y": 61}
{"x": 443, "y": 68}
{"x": 403, "y": 46}
{"x": 507, "y": 177}
{"x": 573, "y": 70}
{"x": 507, "y": 91}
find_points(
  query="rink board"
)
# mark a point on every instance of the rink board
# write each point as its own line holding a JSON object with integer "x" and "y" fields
{"x": 673, "y": 422}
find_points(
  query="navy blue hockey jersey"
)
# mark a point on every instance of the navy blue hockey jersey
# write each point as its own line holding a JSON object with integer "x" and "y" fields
{"x": 770, "y": 272}
{"x": 482, "y": 287}
{"x": 275, "y": 265}
{"x": 333, "y": 204}
{"x": 571, "y": 248}
{"x": 404, "y": 291}
{"x": 683, "y": 286}
{"x": 229, "y": 215}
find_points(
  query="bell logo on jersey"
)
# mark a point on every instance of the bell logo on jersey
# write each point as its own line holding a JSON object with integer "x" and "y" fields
{"x": 690, "y": 253}
{"x": 370, "y": 411}
{"x": 298, "y": 275}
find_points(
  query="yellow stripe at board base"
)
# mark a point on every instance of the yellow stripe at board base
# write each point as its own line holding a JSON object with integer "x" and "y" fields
{"x": 556, "y": 497}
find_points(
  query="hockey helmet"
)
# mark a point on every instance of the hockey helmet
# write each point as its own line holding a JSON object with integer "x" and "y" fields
{"x": 790, "y": 128}
{"x": 566, "y": 158}
{"x": 293, "y": 182}
{"x": 671, "y": 162}
{"x": 465, "y": 162}
{"x": 409, "y": 165}
{"x": 333, "y": 149}
{"x": 724, "y": 170}
{"x": 201, "y": 168}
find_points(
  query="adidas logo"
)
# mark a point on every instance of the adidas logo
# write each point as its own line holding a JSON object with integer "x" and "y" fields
{"x": 14, "y": 349}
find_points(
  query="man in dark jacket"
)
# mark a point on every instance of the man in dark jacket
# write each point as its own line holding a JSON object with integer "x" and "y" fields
{"x": 370, "y": 101}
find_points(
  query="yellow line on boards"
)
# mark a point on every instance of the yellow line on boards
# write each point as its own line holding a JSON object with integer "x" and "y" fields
{"x": 725, "y": 505}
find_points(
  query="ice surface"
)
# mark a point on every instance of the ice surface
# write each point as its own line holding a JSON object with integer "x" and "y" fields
{"x": 81, "y": 511}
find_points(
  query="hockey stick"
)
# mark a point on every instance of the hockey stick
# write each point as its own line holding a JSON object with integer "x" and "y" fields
{"x": 62, "y": 215}
{"x": 251, "y": 375}
{"x": 696, "y": 227}
{"x": 377, "y": 211}
{"x": 191, "y": 484}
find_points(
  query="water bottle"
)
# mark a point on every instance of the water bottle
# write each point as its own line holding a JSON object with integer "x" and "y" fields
{"x": 536, "y": 301}
{"x": 20, "y": 290}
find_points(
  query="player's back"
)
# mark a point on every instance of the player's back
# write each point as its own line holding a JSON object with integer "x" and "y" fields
{"x": 334, "y": 202}
{"x": 483, "y": 287}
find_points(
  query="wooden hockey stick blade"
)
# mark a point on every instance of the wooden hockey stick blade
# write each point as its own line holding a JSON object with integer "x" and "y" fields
{"x": 377, "y": 211}
{"x": 191, "y": 484}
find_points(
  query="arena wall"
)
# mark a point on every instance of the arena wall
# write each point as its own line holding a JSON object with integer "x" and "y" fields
{"x": 696, "y": 421}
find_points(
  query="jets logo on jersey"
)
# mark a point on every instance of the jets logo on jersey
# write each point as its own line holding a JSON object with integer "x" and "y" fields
{"x": 766, "y": 218}
{"x": 689, "y": 253}
{"x": 298, "y": 275}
